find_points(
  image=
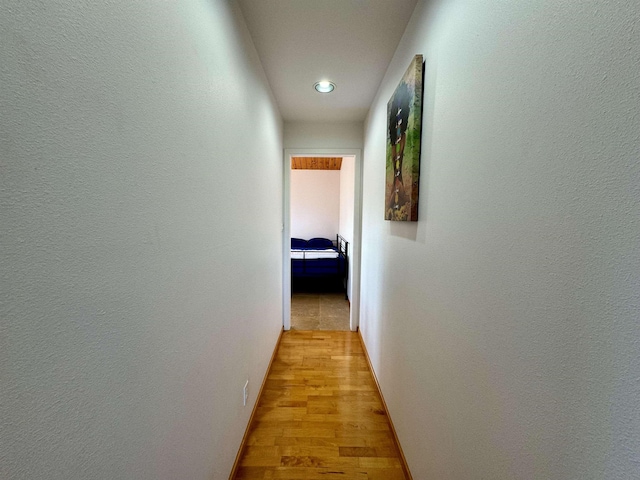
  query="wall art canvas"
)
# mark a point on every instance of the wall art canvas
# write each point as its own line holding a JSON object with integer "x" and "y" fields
{"x": 404, "y": 128}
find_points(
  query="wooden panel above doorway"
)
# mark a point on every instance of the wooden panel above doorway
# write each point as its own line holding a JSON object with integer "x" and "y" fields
{"x": 316, "y": 163}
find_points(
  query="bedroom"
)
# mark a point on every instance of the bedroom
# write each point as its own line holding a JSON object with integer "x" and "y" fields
{"x": 321, "y": 212}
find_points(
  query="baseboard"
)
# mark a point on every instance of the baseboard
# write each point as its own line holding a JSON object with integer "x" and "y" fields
{"x": 403, "y": 460}
{"x": 236, "y": 463}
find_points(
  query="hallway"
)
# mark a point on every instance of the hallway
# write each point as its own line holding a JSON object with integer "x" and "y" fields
{"x": 320, "y": 415}
{"x": 144, "y": 155}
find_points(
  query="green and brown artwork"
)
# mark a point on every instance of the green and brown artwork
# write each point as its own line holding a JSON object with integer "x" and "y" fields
{"x": 404, "y": 127}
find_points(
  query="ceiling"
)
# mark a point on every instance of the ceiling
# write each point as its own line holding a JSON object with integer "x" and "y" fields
{"x": 316, "y": 163}
{"x": 349, "y": 42}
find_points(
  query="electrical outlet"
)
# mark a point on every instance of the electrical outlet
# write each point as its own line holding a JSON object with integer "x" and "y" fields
{"x": 245, "y": 393}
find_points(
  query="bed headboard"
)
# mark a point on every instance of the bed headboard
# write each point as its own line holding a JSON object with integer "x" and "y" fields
{"x": 342, "y": 245}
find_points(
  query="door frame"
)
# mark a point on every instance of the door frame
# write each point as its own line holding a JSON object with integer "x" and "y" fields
{"x": 354, "y": 255}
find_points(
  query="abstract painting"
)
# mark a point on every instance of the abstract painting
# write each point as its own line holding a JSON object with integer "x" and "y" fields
{"x": 404, "y": 128}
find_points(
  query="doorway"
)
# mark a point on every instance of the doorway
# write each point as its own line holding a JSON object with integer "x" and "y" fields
{"x": 352, "y": 215}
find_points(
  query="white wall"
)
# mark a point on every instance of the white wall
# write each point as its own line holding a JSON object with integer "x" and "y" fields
{"x": 315, "y": 203}
{"x": 141, "y": 157}
{"x": 347, "y": 183}
{"x": 503, "y": 326}
{"x": 323, "y": 135}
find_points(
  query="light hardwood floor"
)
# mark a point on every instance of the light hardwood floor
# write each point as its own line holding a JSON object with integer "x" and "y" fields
{"x": 319, "y": 311}
{"x": 320, "y": 415}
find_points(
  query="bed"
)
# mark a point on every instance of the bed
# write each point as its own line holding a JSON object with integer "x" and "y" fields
{"x": 320, "y": 260}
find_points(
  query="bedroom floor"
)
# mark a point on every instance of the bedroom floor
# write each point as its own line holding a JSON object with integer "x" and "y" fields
{"x": 319, "y": 311}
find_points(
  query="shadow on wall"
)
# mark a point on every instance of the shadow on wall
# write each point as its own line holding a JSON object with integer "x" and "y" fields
{"x": 408, "y": 230}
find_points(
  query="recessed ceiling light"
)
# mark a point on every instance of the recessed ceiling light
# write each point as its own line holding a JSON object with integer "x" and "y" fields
{"x": 324, "y": 86}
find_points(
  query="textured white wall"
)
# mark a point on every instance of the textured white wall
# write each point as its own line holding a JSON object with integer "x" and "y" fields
{"x": 504, "y": 325}
{"x": 141, "y": 159}
{"x": 323, "y": 135}
{"x": 347, "y": 193}
{"x": 315, "y": 203}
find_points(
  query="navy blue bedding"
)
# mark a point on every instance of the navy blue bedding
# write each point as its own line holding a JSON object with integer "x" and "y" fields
{"x": 319, "y": 267}
{"x": 299, "y": 244}
{"x": 319, "y": 243}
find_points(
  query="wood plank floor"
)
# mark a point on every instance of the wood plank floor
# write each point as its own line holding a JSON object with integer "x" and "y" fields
{"x": 320, "y": 415}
